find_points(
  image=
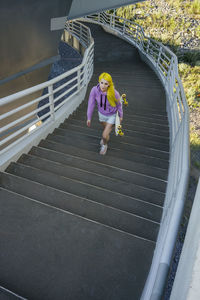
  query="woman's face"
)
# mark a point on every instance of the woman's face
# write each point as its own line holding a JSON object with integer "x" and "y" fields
{"x": 103, "y": 85}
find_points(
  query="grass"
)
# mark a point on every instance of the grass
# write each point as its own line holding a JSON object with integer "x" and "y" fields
{"x": 191, "y": 83}
{"x": 194, "y": 147}
{"x": 179, "y": 21}
{"x": 195, "y": 141}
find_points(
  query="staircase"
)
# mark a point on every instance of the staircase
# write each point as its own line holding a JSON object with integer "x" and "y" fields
{"x": 77, "y": 225}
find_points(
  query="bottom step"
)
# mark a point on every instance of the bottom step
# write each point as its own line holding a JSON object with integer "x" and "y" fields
{"x": 47, "y": 253}
{"x": 8, "y": 295}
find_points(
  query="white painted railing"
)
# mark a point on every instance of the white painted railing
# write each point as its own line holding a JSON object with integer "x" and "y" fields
{"x": 59, "y": 97}
{"x": 164, "y": 63}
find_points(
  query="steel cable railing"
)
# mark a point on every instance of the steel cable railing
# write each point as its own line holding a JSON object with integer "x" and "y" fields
{"x": 22, "y": 110}
{"x": 164, "y": 63}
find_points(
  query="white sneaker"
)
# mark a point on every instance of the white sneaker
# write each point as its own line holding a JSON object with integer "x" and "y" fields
{"x": 103, "y": 149}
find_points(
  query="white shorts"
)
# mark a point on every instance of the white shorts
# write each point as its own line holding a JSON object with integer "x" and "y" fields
{"x": 108, "y": 119}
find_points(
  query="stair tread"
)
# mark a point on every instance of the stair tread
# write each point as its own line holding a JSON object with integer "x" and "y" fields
{"x": 135, "y": 127}
{"x": 121, "y": 220}
{"x": 100, "y": 168}
{"x": 128, "y": 117}
{"x": 144, "y": 137}
{"x": 135, "y": 112}
{"x": 129, "y": 151}
{"x": 137, "y": 139}
{"x": 101, "y": 180}
{"x": 49, "y": 241}
{"x": 6, "y": 294}
{"x": 128, "y": 132}
{"x": 80, "y": 115}
{"x": 150, "y": 163}
{"x": 97, "y": 129}
{"x": 120, "y": 162}
{"x": 79, "y": 205}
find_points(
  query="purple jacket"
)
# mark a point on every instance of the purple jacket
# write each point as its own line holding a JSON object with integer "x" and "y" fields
{"x": 103, "y": 105}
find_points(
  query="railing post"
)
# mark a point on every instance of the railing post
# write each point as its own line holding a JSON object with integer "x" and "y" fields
{"x": 148, "y": 46}
{"x": 114, "y": 18}
{"x": 136, "y": 34}
{"x": 169, "y": 71}
{"x": 111, "y": 17}
{"x": 81, "y": 32}
{"x": 159, "y": 55}
{"x": 124, "y": 24}
{"x": 79, "y": 79}
{"x": 51, "y": 102}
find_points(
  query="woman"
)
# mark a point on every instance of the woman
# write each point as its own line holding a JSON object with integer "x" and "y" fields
{"x": 108, "y": 103}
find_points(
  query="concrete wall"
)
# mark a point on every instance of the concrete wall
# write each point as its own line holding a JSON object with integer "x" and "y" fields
{"x": 27, "y": 40}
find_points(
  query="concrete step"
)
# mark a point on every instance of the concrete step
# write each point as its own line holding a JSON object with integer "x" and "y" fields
{"x": 155, "y": 139}
{"x": 121, "y": 86}
{"x": 135, "y": 127}
{"x": 132, "y": 115}
{"x": 93, "y": 144}
{"x": 103, "y": 181}
{"x": 100, "y": 168}
{"x": 109, "y": 160}
{"x": 5, "y": 294}
{"x": 90, "y": 209}
{"x": 81, "y": 116}
{"x": 123, "y": 141}
{"x": 147, "y": 113}
{"x": 150, "y": 131}
{"x": 133, "y": 124}
{"x": 122, "y": 220}
{"x": 149, "y": 117}
{"x": 131, "y": 112}
{"x": 134, "y": 137}
{"x": 63, "y": 247}
{"x": 146, "y": 136}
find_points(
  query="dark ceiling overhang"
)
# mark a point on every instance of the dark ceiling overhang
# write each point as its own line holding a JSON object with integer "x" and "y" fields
{"x": 80, "y": 8}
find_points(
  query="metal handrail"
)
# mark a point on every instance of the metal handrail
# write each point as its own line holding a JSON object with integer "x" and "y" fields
{"x": 164, "y": 62}
{"x": 22, "y": 113}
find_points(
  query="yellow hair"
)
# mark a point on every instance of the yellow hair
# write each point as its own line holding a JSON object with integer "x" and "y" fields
{"x": 111, "y": 90}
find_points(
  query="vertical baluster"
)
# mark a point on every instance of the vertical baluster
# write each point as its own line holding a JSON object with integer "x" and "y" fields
{"x": 51, "y": 102}
{"x": 159, "y": 55}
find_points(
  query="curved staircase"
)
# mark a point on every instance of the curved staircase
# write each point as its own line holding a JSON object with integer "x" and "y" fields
{"x": 77, "y": 225}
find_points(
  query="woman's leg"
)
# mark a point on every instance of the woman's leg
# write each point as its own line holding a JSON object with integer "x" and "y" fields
{"x": 107, "y": 128}
{"x": 106, "y": 132}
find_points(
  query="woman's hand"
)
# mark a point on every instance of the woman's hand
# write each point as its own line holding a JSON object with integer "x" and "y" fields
{"x": 121, "y": 119}
{"x": 88, "y": 123}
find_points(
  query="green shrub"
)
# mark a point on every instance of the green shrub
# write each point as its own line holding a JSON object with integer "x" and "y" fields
{"x": 191, "y": 57}
{"x": 195, "y": 7}
{"x": 194, "y": 141}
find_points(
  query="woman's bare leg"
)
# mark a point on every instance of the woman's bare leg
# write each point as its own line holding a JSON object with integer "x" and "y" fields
{"x": 106, "y": 132}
